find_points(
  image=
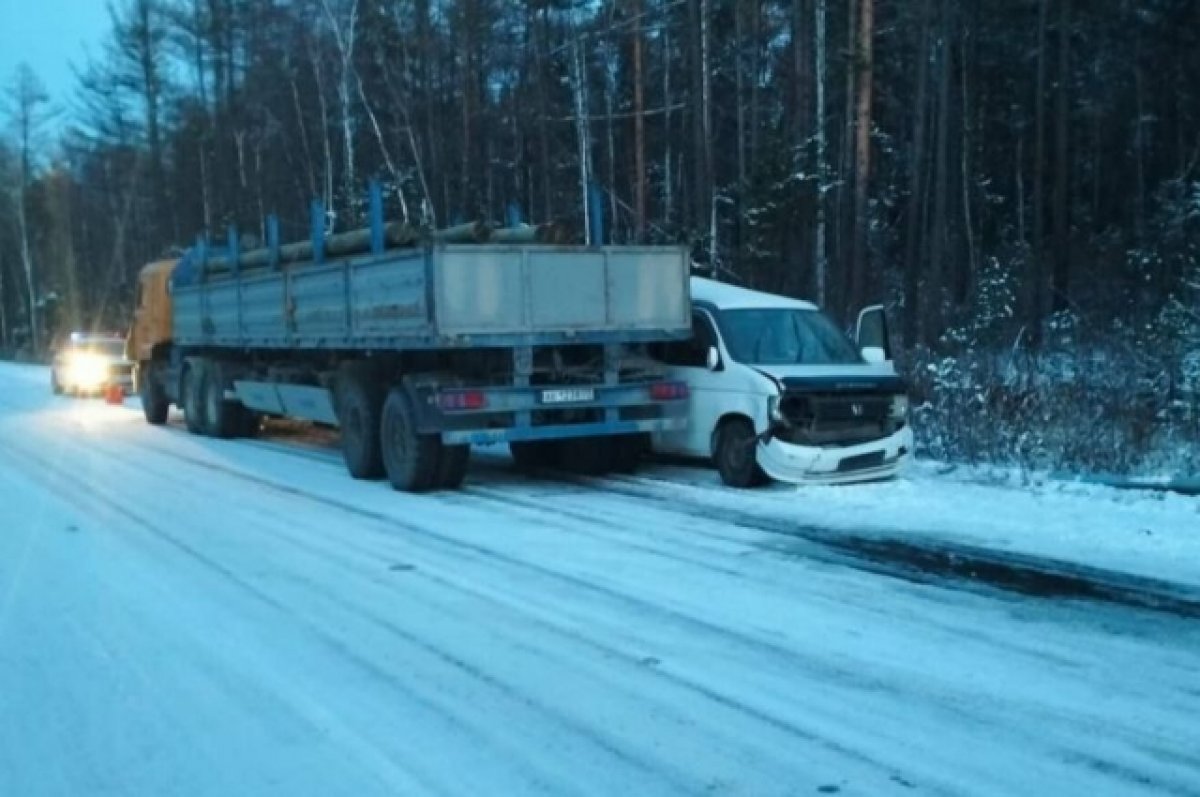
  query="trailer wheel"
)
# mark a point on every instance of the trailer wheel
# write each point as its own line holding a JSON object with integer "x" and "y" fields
{"x": 358, "y": 408}
{"x": 412, "y": 460}
{"x": 534, "y": 455}
{"x": 452, "y": 468}
{"x": 155, "y": 404}
{"x": 222, "y": 418}
{"x": 190, "y": 390}
{"x": 590, "y": 456}
{"x": 735, "y": 455}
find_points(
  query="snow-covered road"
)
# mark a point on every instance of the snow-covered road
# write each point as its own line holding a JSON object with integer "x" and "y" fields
{"x": 184, "y": 616}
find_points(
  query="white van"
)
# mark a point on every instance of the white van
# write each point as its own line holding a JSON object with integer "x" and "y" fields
{"x": 777, "y": 390}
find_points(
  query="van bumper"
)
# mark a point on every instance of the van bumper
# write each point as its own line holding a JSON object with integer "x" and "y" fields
{"x": 871, "y": 461}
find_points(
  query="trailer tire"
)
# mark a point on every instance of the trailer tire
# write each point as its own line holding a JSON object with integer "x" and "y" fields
{"x": 452, "y": 468}
{"x": 412, "y": 460}
{"x": 735, "y": 455}
{"x": 190, "y": 390}
{"x": 359, "y": 405}
{"x": 222, "y": 417}
{"x": 155, "y": 404}
{"x": 534, "y": 455}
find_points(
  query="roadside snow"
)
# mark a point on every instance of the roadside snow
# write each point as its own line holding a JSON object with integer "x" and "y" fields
{"x": 1141, "y": 533}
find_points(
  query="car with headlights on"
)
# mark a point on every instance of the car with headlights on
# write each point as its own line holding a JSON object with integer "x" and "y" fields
{"x": 88, "y": 364}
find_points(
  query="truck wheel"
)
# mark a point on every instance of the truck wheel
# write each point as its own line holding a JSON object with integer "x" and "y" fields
{"x": 358, "y": 407}
{"x": 590, "y": 456}
{"x": 412, "y": 461}
{"x": 193, "y": 399}
{"x": 452, "y": 468}
{"x": 735, "y": 455}
{"x": 221, "y": 416}
{"x": 155, "y": 405}
{"x": 534, "y": 455}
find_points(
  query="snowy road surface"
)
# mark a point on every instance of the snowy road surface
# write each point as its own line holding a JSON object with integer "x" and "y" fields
{"x": 182, "y": 616}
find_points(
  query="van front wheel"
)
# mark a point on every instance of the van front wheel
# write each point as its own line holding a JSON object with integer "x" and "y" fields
{"x": 735, "y": 455}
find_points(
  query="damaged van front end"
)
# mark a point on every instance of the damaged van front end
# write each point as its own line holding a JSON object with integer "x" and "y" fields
{"x": 835, "y": 430}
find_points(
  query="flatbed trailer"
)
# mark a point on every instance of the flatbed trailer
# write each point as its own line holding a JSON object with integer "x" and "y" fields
{"x": 416, "y": 352}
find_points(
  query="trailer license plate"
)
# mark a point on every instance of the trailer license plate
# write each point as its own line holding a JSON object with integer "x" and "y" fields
{"x": 568, "y": 396}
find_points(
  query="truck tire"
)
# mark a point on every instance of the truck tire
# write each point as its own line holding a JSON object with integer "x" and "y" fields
{"x": 534, "y": 455}
{"x": 589, "y": 456}
{"x": 191, "y": 391}
{"x": 359, "y": 405}
{"x": 412, "y": 461}
{"x": 452, "y": 468}
{"x": 735, "y": 455}
{"x": 222, "y": 418}
{"x": 155, "y": 404}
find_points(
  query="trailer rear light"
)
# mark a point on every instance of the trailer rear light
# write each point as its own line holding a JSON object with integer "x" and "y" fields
{"x": 462, "y": 400}
{"x": 668, "y": 391}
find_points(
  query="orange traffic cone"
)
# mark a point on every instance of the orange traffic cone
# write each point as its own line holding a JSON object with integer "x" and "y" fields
{"x": 114, "y": 394}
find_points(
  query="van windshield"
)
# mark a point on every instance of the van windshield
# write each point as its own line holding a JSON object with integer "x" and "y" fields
{"x": 785, "y": 336}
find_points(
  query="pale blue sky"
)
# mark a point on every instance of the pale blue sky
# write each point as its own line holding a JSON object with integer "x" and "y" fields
{"x": 50, "y": 35}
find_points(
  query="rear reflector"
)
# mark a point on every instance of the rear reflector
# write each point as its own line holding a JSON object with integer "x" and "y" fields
{"x": 668, "y": 391}
{"x": 462, "y": 400}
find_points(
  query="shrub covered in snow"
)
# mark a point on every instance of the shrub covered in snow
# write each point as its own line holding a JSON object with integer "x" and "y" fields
{"x": 1117, "y": 400}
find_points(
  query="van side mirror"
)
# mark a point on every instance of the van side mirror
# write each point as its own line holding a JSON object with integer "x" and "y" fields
{"x": 874, "y": 355}
{"x": 871, "y": 332}
{"x": 714, "y": 359}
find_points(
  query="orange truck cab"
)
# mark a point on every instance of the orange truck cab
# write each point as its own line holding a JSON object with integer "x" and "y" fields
{"x": 151, "y": 330}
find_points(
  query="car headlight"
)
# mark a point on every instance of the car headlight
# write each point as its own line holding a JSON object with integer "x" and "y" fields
{"x": 899, "y": 409}
{"x": 87, "y": 369}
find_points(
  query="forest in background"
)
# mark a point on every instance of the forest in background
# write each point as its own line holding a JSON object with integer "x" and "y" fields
{"x": 1018, "y": 180}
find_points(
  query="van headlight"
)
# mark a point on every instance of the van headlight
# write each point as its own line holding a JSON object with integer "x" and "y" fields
{"x": 774, "y": 412}
{"x": 899, "y": 409}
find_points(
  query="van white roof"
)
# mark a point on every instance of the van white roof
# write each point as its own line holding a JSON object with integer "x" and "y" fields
{"x": 731, "y": 297}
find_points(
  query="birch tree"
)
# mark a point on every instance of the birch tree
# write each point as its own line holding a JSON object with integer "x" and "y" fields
{"x": 342, "y": 16}
{"x": 27, "y": 109}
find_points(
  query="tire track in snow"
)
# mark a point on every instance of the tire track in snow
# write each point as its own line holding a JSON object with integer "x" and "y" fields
{"x": 390, "y": 521}
{"x": 460, "y": 715}
{"x": 290, "y": 490}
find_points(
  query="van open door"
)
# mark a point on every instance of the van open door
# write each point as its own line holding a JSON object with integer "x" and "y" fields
{"x": 871, "y": 335}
